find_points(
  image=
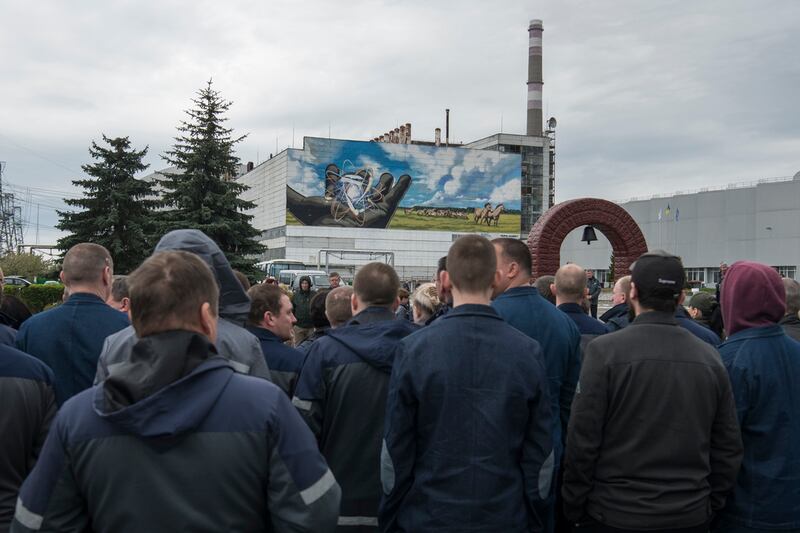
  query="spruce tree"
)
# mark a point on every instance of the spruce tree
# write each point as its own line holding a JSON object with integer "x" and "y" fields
{"x": 203, "y": 193}
{"x": 118, "y": 209}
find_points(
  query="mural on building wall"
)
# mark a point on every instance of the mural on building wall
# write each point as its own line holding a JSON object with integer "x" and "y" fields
{"x": 377, "y": 185}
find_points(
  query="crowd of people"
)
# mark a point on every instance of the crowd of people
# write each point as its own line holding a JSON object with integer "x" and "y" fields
{"x": 180, "y": 398}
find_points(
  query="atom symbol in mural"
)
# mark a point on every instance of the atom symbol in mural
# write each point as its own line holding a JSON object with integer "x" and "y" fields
{"x": 352, "y": 193}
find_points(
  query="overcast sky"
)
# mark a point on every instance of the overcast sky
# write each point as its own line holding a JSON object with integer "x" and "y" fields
{"x": 650, "y": 97}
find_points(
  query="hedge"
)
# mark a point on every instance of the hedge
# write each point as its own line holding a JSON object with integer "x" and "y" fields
{"x": 37, "y": 297}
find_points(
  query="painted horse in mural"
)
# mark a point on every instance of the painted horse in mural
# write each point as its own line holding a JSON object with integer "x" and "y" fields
{"x": 480, "y": 213}
{"x": 494, "y": 215}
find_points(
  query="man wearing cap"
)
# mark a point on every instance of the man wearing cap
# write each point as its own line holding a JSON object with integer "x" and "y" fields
{"x": 653, "y": 441}
{"x": 764, "y": 367}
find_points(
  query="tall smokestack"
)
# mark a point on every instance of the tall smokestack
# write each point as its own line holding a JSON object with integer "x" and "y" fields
{"x": 535, "y": 81}
{"x": 447, "y": 127}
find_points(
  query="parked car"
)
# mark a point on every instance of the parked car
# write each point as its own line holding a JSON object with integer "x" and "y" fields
{"x": 16, "y": 281}
{"x": 319, "y": 279}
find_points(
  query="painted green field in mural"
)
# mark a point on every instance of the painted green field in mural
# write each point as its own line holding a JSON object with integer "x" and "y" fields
{"x": 509, "y": 223}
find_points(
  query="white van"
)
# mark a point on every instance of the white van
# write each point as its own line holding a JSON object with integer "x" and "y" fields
{"x": 319, "y": 279}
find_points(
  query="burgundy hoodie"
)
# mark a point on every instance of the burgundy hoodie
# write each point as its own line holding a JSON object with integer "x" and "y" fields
{"x": 752, "y": 296}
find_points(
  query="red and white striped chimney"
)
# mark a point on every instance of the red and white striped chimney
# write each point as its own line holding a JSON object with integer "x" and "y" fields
{"x": 535, "y": 82}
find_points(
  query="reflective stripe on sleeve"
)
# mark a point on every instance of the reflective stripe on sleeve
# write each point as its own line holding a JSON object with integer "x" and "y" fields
{"x": 318, "y": 489}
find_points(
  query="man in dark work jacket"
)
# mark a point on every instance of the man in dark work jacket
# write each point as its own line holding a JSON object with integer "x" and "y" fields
{"x": 653, "y": 441}
{"x": 342, "y": 388}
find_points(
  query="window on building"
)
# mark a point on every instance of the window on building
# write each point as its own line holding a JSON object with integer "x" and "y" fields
{"x": 602, "y": 277}
{"x": 695, "y": 274}
{"x": 713, "y": 275}
{"x": 787, "y": 271}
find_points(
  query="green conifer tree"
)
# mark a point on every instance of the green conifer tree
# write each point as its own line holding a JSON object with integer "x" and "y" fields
{"x": 203, "y": 193}
{"x": 118, "y": 209}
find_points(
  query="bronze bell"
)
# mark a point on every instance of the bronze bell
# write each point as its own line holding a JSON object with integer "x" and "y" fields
{"x": 588, "y": 235}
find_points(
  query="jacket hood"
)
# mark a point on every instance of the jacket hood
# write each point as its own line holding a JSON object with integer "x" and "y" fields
{"x": 167, "y": 387}
{"x": 300, "y": 283}
{"x": 373, "y": 335}
{"x": 234, "y": 304}
{"x": 752, "y": 296}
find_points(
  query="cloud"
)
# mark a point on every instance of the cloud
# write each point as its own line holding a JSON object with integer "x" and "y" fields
{"x": 508, "y": 192}
{"x": 648, "y": 98}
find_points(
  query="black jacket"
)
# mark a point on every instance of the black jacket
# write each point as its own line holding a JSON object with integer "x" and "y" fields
{"x": 615, "y": 312}
{"x": 175, "y": 440}
{"x": 653, "y": 441}
{"x": 341, "y": 393}
{"x": 27, "y": 405}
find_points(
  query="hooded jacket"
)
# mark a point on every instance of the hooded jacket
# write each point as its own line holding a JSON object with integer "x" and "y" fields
{"x": 28, "y": 405}
{"x": 234, "y": 342}
{"x": 468, "y": 435}
{"x": 177, "y": 441}
{"x": 341, "y": 393}
{"x": 302, "y": 304}
{"x": 764, "y": 368}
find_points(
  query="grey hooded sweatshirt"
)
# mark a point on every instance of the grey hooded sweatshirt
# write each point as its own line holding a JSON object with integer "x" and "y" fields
{"x": 235, "y": 343}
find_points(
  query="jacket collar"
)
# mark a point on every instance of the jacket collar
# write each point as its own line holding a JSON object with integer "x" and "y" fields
{"x": 655, "y": 317}
{"x": 788, "y": 320}
{"x": 263, "y": 334}
{"x": 773, "y": 330}
{"x": 571, "y": 308}
{"x": 472, "y": 310}
{"x": 523, "y": 290}
{"x": 79, "y": 297}
{"x": 372, "y": 314}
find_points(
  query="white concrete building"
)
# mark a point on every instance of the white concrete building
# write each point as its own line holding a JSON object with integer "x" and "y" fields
{"x": 754, "y": 221}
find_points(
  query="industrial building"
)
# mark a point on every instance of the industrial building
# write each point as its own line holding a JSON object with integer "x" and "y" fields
{"x": 748, "y": 221}
{"x": 405, "y": 196}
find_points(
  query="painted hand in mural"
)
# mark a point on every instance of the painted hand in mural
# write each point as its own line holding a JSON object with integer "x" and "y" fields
{"x": 350, "y": 200}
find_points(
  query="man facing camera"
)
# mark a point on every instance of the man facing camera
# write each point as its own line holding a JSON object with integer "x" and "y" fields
{"x": 174, "y": 439}
{"x": 468, "y": 439}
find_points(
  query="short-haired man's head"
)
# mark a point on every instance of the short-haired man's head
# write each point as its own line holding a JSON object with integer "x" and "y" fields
{"x": 441, "y": 265}
{"x": 85, "y": 263}
{"x": 515, "y": 251}
{"x": 317, "y": 309}
{"x": 337, "y": 306}
{"x": 243, "y": 281}
{"x": 335, "y": 279}
{"x": 542, "y": 284}
{"x": 119, "y": 288}
{"x": 263, "y": 298}
{"x": 376, "y": 284}
{"x": 792, "y": 288}
{"x": 168, "y": 291}
{"x": 570, "y": 283}
{"x": 471, "y": 264}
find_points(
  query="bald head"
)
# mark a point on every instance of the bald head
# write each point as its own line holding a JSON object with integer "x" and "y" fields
{"x": 337, "y": 306}
{"x": 622, "y": 288}
{"x": 570, "y": 284}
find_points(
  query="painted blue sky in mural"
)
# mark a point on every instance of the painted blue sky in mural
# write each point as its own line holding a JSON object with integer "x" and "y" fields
{"x": 443, "y": 177}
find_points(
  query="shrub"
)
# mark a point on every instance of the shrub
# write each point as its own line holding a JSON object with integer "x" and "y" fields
{"x": 37, "y": 297}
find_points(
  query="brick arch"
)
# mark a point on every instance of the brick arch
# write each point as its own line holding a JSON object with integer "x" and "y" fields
{"x": 546, "y": 236}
